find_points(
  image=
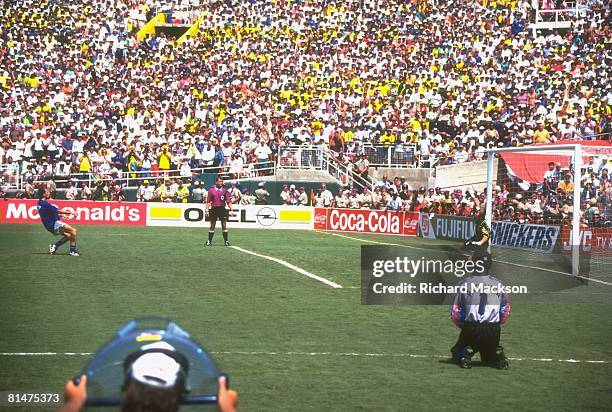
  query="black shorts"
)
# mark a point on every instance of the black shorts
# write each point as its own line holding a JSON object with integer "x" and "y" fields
{"x": 478, "y": 251}
{"x": 482, "y": 337}
{"x": 218, "y": 213}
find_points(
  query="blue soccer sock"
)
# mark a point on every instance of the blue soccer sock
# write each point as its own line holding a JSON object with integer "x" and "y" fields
{"x": 73, "y": 248}
{"x": 59, "y": 243}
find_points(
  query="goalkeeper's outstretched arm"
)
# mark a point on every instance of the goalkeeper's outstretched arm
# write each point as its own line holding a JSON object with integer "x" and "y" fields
{"x": 482, "y": 234}
{"x": 478, "y": 242}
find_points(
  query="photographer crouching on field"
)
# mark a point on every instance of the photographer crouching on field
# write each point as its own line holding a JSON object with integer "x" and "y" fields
{"x": 150, "y": 365}
{"x": 154, "y": 385}
{"x": 479, "y": 309}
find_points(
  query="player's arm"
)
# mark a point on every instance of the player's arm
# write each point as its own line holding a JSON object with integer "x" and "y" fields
{"x": 504, "y": 308}
{"x": 457, "y": 309}
{"x": 479, "y": 242}
{"x": 65, "y": 213}
{"x": 476, "y": 203}
{"x": 485, "y": 235}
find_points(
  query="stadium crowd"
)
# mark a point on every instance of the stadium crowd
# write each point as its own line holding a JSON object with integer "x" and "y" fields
{"x": 80, "y": 95}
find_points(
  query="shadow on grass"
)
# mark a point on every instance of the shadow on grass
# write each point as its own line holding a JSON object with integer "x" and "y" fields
{"x": 475, "y": 363}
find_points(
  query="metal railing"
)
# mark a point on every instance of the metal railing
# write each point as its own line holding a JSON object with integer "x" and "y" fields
{"x": 342, "y": 172}
{"x": 10, "y": 178}
{"x": 300, "y": 158}
{"x": 132, "y": 179}
{"x": 558, "y": 15}
{"x": 400, "y": 155}
{"x": 315, "y": 158}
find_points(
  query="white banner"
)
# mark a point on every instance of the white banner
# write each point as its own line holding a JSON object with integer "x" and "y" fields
{"x": 242, "y": 216}
{"x": 524, "y": 236}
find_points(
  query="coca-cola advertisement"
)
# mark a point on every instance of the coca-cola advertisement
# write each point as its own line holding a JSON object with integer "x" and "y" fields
{"x": 366, "y": 221}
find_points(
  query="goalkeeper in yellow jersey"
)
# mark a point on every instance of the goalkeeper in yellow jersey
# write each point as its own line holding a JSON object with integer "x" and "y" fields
{"x": 478, "y": 245}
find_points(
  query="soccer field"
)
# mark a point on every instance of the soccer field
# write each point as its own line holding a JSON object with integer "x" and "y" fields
{"x": 288, "y": 341}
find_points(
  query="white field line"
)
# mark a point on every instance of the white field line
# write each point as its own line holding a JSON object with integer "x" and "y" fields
{"x": 495, "y": 260}
{"x": 290, "y": 266}
{"x": 46, "y": 353}
{"x": 337, "y": 354}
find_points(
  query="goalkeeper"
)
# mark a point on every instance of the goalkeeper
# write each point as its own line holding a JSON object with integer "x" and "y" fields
{"x": 479, "y": 310}
{"x": 478, "y": 245}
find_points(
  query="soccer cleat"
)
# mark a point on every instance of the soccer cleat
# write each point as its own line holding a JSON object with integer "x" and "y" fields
{"x": 465, "y": 363}
{"x": 466, "y": 360}
{"x": 227, "y": 243}
{"x": 502, "y": 361}
{"x": 503, "y": 364}
{"x": 74, "y": 253}
{"x": 52, "y": 248}
{"x": 208, "y": 243}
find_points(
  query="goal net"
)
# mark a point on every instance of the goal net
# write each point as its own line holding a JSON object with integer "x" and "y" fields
{"x": 550, "y": 211}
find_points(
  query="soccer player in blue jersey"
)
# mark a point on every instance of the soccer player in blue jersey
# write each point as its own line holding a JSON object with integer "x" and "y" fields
{"x": 50, "y": 217}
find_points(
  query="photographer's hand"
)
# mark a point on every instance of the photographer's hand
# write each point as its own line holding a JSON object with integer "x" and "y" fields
{"x": 74, "y": 395}
{"x": 228, "y": 399}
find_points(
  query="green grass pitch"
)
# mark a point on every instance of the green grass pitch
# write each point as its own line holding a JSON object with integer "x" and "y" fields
{"x": 288, "y": 342}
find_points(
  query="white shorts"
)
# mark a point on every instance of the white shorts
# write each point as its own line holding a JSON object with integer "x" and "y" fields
{"x": 58, "y": 228}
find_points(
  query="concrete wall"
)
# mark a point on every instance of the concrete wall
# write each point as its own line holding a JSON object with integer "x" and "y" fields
{"x": 415, "y": 177}
{"x": 464, "y": 175}
{"x": 303, "y": 176}
{"x": 446, "y": 177}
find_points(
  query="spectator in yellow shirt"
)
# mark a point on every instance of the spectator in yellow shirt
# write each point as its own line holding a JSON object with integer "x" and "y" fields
{"x": 84, "y": 165}
{"x": 182, "y": 193}
{"x": 167, "y": 193}
{"x": 387, "y": 138}
{"x": 164, "y": 159}
{"x": 541, "y": 135}
{"x": 566, "y": 184}
{"x": 347, "y": 135}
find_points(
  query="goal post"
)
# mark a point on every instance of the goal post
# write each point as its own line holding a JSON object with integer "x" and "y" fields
{"x": 534, "y": 179}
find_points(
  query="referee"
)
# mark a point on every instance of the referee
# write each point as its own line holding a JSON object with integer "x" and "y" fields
{"x": 218, "y": 198}
{"x": 479, "y": 314}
